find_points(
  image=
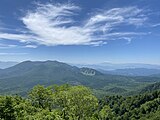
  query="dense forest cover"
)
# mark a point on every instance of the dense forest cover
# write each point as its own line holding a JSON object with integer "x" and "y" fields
{"x": 67, "y": 102}
{"x": 30, "y": 73}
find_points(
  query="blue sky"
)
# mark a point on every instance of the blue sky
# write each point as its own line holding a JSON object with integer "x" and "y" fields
{"x": 80, "y": 31}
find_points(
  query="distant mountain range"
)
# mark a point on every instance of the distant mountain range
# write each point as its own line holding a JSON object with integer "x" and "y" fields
{"x": 8, "y": 64}
{"x": 156, "y": 75}
{"x": 133, "y": 72}
{"x": 23, "y": 76}
{"x": 111, "y": 66}
{"x": 131, "y": 69}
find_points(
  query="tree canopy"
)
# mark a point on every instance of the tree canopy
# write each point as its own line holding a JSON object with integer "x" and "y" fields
{"x": 67, "y": 102}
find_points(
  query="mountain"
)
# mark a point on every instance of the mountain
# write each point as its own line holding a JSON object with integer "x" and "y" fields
{"x": 8, "y": 64}
{"x": 155, "y": 75}
{"x": 89, "y": 71}
{"x": 116, "y": 90}
{"x": 133, "y": 72}
{"x": 23, "y": 76}
{"x": 113, "y": 66}
{"x": 151, "y": 88}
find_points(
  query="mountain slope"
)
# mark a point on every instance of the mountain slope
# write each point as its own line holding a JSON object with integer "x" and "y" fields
{"x": 152, "y": 87}
{"x": 25, "y": 75}
{"x": 116, "y": 90}
{"x": 8, "y": 64}
{"x": 155, "y": 75}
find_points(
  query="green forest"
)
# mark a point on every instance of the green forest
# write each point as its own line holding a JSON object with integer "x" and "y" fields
{"x": 68, "y": 102}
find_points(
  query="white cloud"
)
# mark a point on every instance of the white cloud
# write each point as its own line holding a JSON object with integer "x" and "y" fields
{"x": 19, "y": 37}
{"x": 52, "y": 25}
{"x": 2, "y": 54}
{"x": 4, "y": 46}
{"x": 129, "y": 40}
{"x": 30, "y": 46}
{"x": 156, "y": 25}
{"x": 115, "y": 16}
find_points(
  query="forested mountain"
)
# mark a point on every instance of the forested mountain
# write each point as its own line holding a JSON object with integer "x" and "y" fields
{"x": 156, "y": 75}
{"x": 23, "y": 76}
{"x": 152, "y": 87}
{"x": 143, "y": 106}
{"x": 78, "y": 103}
{"x": 75, "y": 102}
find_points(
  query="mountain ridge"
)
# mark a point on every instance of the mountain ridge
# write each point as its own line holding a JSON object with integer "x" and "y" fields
{"x": 25, "y": 75}
{"x": 28, "y": 73}
{"x": 133, "y": 72}
{"x": 7, "y": 64}
{"x": 114, "y": 66}
{"x": 151, "y": 88}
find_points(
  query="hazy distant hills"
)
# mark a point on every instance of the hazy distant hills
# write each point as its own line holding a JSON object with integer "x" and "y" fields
{"x": 111, "y": 66}
{"x": 4, "y": 65}
{"x": 133, "y": 72}
{"x": 156, "y": 75}
{"x": 23, "y": 76}
{"x": 130, "y": 69}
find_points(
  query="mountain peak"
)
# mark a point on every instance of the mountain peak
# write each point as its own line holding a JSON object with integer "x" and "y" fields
{"x": 89, "y": 71}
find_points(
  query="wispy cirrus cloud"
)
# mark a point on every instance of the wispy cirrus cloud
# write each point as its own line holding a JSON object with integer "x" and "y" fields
{"x": 4, "y": 46}
{"x": 156, "y": 25}
{"x": 10, "y": 53}
{"x": 30, "y": 46}
{"x": 115, "y": 16}
{"x": 53, "y": 25}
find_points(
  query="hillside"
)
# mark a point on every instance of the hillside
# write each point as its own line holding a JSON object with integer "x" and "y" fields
{"x": 140, "y": 107}
{"x": 8, "y": 64}
{"x": 23, "y": 76}
{"x": 152, "y": 87}
{"x": 67, "y": 102}
{"x": 155, "y": 75}
{"x": 116, "y": 90}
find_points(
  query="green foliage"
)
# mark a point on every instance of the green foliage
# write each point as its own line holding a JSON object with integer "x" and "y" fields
{"x": 133, "y": 107}
{"x": 41, "y": 97}
{"x": 152, "y": 87}
{"x": 7, "y": 108}
{"x": 67, "y": 102}
{"x": 106, "y": 113}
{"x": 75, "y": 102}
